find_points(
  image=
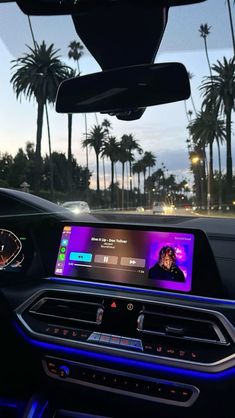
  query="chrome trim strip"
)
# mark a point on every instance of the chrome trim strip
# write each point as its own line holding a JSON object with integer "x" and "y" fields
{"x": 186, "y": 404}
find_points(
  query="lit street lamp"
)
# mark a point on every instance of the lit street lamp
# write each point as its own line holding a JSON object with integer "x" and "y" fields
{"x": 195, "y": 160}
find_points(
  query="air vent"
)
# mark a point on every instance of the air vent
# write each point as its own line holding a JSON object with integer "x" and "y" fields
{"x": 183, "y": 327}
{"x": 74, "y": 311}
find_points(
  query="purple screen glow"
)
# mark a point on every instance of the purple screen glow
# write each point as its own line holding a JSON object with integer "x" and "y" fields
{"x": 155, "y": 259}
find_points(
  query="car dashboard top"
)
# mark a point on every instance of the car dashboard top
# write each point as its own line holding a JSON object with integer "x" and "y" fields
{"x": 109, "y": 301}
{"x": 120, "y": 249}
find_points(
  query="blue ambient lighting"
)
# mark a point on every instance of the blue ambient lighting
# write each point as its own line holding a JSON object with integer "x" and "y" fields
{"x": 7, "y": 403}
{"x": 37, "y": 409}
{"x": 123, "y": 361}
{"x": 148, "y": 291}
{"x": 33, "y": 409}
{"x": 43, "y": 410}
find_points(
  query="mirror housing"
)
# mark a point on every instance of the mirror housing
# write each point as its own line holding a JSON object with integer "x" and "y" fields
{"x": 124, "y": 90}
{"x": 63, "y": 7}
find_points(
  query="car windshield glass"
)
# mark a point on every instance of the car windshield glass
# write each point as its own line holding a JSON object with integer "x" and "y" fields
{"x": 177, "y": 159}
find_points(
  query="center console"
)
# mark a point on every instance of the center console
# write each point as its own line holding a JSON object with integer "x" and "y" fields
{"x": 128, "y": 298}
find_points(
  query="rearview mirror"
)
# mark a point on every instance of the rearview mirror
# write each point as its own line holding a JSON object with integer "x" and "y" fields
{"x": 62, "y": 7}
{"x": 124, "y": 89}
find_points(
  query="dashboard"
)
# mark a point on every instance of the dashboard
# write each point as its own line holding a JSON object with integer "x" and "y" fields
{"x": 143, "y": 311}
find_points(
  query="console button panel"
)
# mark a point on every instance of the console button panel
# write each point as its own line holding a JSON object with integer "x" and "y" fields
{"x": 145, "y": 387}
{"x": 153, "y": 345}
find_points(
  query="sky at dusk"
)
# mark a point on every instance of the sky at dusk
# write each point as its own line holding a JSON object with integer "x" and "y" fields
{"x": 162, "y": 129}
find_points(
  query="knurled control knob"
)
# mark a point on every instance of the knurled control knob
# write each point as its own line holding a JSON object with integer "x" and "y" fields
{"x": 64, "y": 371}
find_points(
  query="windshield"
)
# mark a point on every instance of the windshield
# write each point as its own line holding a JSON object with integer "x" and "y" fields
{"x": 177, "y": 159}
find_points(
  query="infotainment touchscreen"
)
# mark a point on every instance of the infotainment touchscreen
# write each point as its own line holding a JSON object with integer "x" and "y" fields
{"x": 154, "y": 259}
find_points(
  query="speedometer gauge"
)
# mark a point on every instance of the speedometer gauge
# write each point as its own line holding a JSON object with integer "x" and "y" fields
{"x": 10, "y": 248}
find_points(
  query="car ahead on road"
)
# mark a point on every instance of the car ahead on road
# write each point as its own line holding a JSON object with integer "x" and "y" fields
{"x": 140, "y": 209}
{"x": 159, "y": 207}
{"x": 77, "y": 206}
{"x": 163, "y": 208}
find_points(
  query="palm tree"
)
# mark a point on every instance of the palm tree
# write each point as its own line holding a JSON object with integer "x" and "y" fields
{"x": 204, "y": 31}
{"x": 148, "y": 161}
{"x": 106, "y": 124}
{"x": 190, "y": 76}
{"x": 76, "y": 52}
{"x": 71, "y": 73}
{"x": 123, "y": 157}
{"x": 47, "y": 120}
{"x": 186, "y": 110}
{"x": 206, "y": 128}
{"x": 110, "y": 150}
{"x": 131, "y": 145}
{"x": 37, "y": 74}
{"x": 137, "y": 168}
{"x": 231, "y": 24}
{"x": 219, "y": 93}
{"x": 144, "y": 171}
{"x": 95, "y": 139}
{"x": 159, "y": 177}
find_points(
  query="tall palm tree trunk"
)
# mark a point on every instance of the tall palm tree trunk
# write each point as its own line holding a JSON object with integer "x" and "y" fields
{"x": 123, "y": 176}
{"x": 193, "y": 104}
{"x": 112, "y": 184}
{"x": 139, "y": 198}
{"x": 69, "y": 174}
{"x": 231, "y": 25}
{"x": 131, "y": 184}
{"x": 144, "y": 173}
{"x": 211, "y": 170}
{"x": 186, "y": 111}
{"x": 229, "y": 156}
{"x": 149, "y": 191}
{"x": 220, "y": 173}
{"x": 38, "y": 145}
{"x": 87, "y": 160}
{"x": 127, "y": 186}
{"x": 97, "y": 176}
{"x": 39, "y": 129}
{"x": 200, "y": 185}
{"x": 208, "y": 59}
{"x": 104, "y": 177}
{"x": 104, "y": 174}
{"x": 31, "y": 31}
{"x": 50, "y": 155}
{"x": 117, "y": 189}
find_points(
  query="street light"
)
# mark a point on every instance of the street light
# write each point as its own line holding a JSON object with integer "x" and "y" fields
{"x": 195, "y": 160}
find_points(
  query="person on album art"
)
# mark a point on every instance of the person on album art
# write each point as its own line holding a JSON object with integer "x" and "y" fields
{"x": 166, "y": 268}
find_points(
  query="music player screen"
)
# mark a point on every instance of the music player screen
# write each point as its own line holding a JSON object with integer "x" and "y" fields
{"x": 155, "y": 259}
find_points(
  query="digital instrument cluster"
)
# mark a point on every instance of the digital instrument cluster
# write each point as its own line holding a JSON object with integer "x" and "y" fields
{"x": 12, "y": 251}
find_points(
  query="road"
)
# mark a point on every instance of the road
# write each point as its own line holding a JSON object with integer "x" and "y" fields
{"x": 176, "y": 212}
